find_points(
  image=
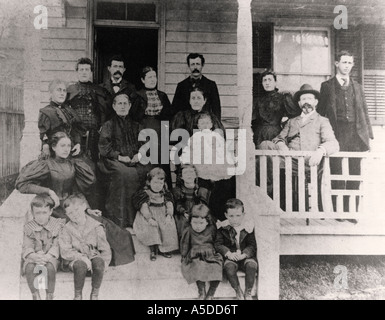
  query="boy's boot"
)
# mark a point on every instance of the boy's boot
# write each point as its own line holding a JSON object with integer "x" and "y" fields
{"x": 49, "y": 296}
{"x": 78, "y": 295}
{"x": 94, "y": 294}
{"x": 239, "y": 293}
{"x": 36, "y": 295}
{"x": 248, "y": 294}
{"x": 201, "y": 290}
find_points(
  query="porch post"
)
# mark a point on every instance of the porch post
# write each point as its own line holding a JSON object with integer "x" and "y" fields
{"x": 30, "y": 143}
{"x": 265, "y": 213}
{"x": 245, "y": 96}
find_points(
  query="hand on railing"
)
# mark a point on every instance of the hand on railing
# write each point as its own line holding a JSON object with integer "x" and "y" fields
{"x": 316, "y": 158}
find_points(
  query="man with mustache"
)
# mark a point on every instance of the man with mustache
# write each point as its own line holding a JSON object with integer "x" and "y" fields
{"x": 306, "y": 132}
{"x": 196, "y": 62}
{"x": 115, "y": 83}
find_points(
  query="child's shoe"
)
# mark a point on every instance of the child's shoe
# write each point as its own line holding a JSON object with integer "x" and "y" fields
{"x": 248, "y": 294}
{"x": 78, "y": 295}
{"x": 239, "y": 294}
{"x": 165, "y": 254}
{"x": 49, "y": 296}
{"x": 36, "y": 295}
{"x": 201, "y": 291}
{"x": 94, "y": 294}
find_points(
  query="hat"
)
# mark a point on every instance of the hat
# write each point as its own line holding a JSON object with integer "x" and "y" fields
{"x": 306, "y": 88}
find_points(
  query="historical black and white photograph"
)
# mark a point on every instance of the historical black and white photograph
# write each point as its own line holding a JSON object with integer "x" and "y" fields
{"x": 192, "y": 150}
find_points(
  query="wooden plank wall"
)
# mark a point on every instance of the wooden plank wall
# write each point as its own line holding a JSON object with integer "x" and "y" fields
{"x": 210, "y": 28}
{"x": 11, "y": 127}
{"x": 63, "y": 43}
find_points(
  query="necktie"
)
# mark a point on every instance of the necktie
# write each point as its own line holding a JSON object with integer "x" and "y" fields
{"x": 345, "y": 82}
{"x": 116, "y": 87}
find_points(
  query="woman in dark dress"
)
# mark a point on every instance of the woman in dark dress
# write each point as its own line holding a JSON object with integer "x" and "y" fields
{"x": 58, "y": 116}
{"x": 216, "y": 192}
{"x": 270, "y": 109}
{"x": 119, "y": 160}
{"x": 60, "y": 176}
{"x": 149, "y": 109}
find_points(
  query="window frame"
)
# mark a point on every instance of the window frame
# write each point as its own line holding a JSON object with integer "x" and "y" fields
{"x": 303, "y": 29}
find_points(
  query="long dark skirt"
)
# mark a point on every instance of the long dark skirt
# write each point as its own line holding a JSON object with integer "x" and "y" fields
{"x": 124, "y": 182}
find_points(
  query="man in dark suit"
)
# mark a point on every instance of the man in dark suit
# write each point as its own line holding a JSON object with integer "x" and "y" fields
{"x": 343, "y": 102}
{"x": 181, "y": 100}
{"x": 116, "y": 84}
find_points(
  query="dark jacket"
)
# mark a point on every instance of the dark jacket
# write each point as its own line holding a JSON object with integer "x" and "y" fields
{"x": 125, "y": 87}
{"x": 225, "y": 241}
{"x": 327, "y": 107}
{"x": 181, "y": 99}
{"x": 53, "y": 118}
{"x": 137, "y": 111}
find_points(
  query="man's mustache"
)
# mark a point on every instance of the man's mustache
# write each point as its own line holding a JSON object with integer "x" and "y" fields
{"x": 118, "y": 72}
{"x": 307, "y": 105}
{"x": 196, "y": 70}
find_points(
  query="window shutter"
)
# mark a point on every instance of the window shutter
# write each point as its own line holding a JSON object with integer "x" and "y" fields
{"x": 374, "y": 85}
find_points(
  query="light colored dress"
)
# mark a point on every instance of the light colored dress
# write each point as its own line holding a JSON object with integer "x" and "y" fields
{"x": 165, "y": 233}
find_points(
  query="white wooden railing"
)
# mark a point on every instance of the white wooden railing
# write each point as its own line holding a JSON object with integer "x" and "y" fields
{"x": 366, "y": 201}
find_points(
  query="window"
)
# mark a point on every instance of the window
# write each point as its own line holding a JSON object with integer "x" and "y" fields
{"x": 301, "y": 56}
{"x": 123, "y": 11}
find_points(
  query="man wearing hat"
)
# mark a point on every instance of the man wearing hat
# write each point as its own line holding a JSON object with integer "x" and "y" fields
{"x": 307, "y": 132}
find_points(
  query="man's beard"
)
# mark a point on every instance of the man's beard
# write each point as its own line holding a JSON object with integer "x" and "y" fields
{"x": 307, "y": 108}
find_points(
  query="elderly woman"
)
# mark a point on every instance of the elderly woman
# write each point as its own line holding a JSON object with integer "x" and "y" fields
{"x": 58, "y": 116}
{"x": 270, "y": 109}
{"x": 119, "y": 147}
{"x": 61, "y": 176}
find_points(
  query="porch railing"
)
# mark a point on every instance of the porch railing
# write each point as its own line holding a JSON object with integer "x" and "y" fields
{"x": 309, "y": 192}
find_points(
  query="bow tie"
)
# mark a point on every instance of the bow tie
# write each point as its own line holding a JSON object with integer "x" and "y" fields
{"x": 116, "y": 84}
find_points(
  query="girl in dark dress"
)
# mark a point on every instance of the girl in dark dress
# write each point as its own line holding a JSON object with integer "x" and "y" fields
{"x": 270, "y": 109}
{"x": 61, "y": 176}
{"x": 200, "y": 262}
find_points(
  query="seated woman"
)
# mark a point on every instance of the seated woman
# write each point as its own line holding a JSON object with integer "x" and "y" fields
{"x": 58, "y": 116}
{"x": 119, "y": 159}
{"x": 186, "y": 119}
{"x": 150, "y": 108}
{"x": 61, "y": 176}
{"x": 270, "y": 109}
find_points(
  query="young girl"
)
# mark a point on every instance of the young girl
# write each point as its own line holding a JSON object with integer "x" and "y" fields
{"x": 154, "y": 224}
{"x": 200, "y": 262}
{"x": 40, "y": 245}
{"x": 83, "y": 246}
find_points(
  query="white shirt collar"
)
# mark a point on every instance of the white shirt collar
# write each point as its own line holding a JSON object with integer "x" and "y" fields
{"x": 340, "y": 77}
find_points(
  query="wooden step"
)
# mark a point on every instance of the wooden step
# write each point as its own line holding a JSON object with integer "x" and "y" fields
{"x": 142, "y": 279}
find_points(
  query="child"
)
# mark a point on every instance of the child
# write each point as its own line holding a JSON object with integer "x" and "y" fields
{"x": 40, "y": 245}
{"x": 200, "y": 263}
{"x": 212, "y": 170}
{"x": 154, "y": 224}
{"x": 236, "y": 243}
{"x": 187, "y": 193}
{"x": 83, "y": 246}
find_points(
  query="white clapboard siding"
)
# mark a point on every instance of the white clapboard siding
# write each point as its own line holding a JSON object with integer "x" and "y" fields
{"x": 374, "y": 85}
{"x": 210, "y": 28}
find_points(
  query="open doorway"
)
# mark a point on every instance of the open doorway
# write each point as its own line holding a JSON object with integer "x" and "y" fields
{"x": 139, "y": 48}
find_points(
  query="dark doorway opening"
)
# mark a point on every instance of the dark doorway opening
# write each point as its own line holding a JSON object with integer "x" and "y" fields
{"x": 139, "y": 48}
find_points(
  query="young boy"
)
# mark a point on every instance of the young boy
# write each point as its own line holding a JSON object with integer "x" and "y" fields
{"x": 40, "y": 245}
{"x": 83, "y": 246}
{"x": 236, "y": 242}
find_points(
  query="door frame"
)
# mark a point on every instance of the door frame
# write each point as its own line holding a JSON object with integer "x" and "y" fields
{"x": 160, "y": 24}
